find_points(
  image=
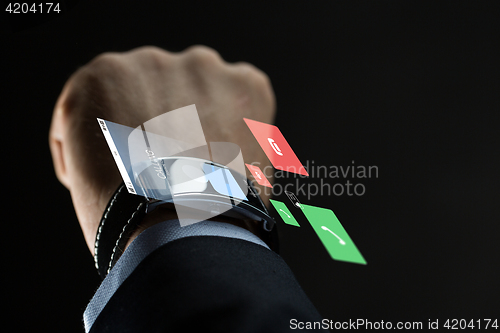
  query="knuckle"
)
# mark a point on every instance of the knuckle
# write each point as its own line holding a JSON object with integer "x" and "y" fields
{"x": 150, "y": 49}
{"x": 105, "y": 65}
{"x": 253, "y": 74}
{"x": 151, "y": 58}
{"x": 104, "y": 60}
{"x": 203, "y": 55}
{"x": 261, "y": 77}
{"x": 256, "y": 81}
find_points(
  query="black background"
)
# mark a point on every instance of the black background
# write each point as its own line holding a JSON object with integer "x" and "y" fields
{"x": 411, "y": 87}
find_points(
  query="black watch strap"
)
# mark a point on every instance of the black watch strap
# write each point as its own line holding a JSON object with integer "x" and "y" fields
{"x": 121, "y": 216}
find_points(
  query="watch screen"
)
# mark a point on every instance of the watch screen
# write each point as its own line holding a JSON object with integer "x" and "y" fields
{"x": 167, "y": 158}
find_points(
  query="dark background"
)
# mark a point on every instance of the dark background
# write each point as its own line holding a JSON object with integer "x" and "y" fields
{"x": 411, "y": 87}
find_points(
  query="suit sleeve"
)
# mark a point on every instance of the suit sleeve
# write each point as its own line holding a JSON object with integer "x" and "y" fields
{"x": 207, "y": 284}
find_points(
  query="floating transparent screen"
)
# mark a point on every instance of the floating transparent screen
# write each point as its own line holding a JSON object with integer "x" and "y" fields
{"x": 167, "y": 158}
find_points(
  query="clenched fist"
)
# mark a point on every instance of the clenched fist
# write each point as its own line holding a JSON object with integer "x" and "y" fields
{"x": 132, "y": 87}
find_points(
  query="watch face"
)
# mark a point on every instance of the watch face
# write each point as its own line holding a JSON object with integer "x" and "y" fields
{"x": 173, "y": 177}
{"x": 199, "y": 189}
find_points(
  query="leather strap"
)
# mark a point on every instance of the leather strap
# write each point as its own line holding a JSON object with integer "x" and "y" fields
{"x": 121, "y": 216}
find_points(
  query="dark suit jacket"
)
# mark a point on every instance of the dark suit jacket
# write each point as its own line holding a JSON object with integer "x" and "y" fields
{"x": 207, "y": 284}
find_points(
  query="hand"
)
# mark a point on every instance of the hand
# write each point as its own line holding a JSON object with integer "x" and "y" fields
{"x": 132, "y": 87}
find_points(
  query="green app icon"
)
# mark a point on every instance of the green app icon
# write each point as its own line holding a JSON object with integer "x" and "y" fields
{"x": 331, "y": 233}
{"x": 284, "y": 213}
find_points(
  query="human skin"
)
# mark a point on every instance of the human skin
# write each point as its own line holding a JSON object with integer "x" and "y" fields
{"x": 132, "y": 87}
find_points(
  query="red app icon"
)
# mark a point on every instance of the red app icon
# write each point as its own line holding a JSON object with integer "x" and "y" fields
{"x": 276, "y": 147}
{"x": 258, "y": 175}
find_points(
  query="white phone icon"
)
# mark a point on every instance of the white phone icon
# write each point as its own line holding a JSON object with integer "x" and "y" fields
{"x": 285, "y": 213}
{"x": 273, "y": 144}
{"x": 257, "y": 174}
{"x": 341, "y": 241}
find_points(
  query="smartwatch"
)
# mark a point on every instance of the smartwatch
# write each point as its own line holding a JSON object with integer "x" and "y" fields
{"x": 190, "y": 184}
